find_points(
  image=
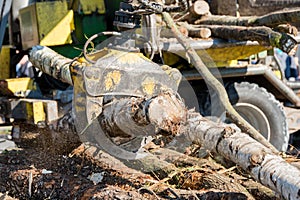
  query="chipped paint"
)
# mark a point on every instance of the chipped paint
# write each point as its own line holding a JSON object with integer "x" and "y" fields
{"x": 112, "y": 79}
{"x": 149, "y": 86}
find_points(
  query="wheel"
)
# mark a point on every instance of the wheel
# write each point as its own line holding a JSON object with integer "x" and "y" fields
{"x": 262, "y": 111}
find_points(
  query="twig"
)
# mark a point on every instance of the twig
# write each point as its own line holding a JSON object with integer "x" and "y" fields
{"x": 48, "y": 198}
{"x": 62, "y": 182}
{"x": 226, "y": 170}
{"x": 193, "y": 193}
{"x": 173, "y": 192}
{"x": 148, "y": 190}
{"x": 30, "y": 184}
{"x": 155, "y": 176}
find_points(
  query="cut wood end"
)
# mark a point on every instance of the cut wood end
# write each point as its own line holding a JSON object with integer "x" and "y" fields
{"x": 200, "y": 7}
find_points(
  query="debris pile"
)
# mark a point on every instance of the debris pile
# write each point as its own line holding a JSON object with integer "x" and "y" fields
{"x": 25, "y": 173}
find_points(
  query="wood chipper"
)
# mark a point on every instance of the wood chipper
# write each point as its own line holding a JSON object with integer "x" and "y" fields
{"x": 126, "y": 94}
{"x": 133, "y": 87}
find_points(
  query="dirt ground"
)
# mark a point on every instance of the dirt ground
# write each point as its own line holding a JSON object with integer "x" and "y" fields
{"x": 50, "y": 165}
{"x": 43, "y": 168}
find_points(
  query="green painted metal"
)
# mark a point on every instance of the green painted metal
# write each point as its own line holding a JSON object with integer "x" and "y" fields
{"x": 88, "y": 25}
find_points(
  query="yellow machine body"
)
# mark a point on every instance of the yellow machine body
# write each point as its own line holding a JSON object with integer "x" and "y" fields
{"x": 46, "y": 23}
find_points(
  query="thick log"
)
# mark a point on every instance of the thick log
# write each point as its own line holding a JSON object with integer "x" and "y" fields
{"x": 199, "y": 8}
{"x": 269, "y": 169}
{"x": 225, "y": 20}
{"x": 200, "y": 33}
{"x": 264, "y": 35}
{"x": 197, "y": 32}
{"x": 271, "y": 20}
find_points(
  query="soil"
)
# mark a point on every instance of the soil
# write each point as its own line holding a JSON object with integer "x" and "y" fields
{"x": 51, "y": 165}
{"x": 43, "y": 168}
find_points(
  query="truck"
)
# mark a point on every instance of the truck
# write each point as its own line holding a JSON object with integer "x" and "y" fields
{"x": 250, "y": 71}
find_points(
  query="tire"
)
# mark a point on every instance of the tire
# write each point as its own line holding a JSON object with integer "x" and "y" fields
{"x": 262, "y": 111}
